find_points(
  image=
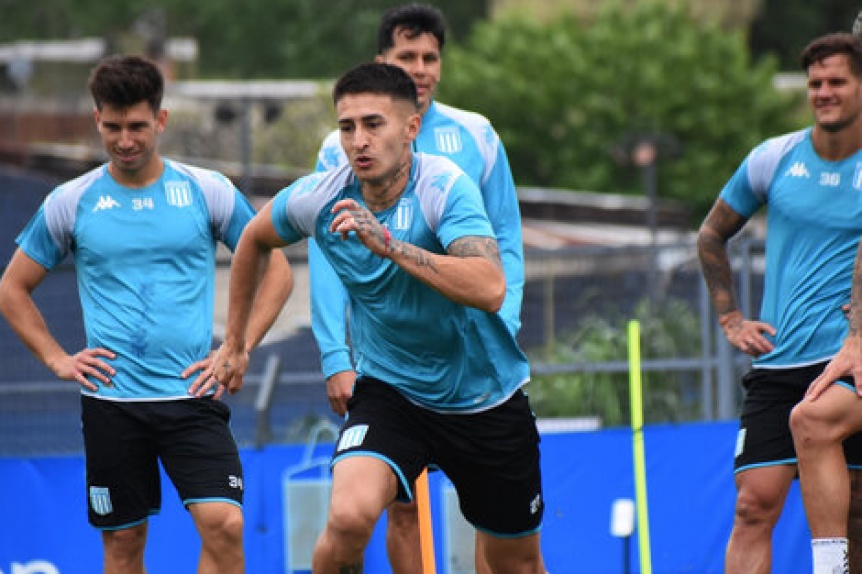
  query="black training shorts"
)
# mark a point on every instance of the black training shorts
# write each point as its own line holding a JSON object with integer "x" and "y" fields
{"x": 125, "y": 440}
{"x": 764, "y": 437}
{"x": 491, "y": 457}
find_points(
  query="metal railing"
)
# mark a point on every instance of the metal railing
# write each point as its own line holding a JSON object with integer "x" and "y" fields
{"x": 281, "y": 405}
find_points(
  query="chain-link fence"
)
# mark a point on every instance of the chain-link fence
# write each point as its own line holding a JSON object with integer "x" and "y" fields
{"x": 576, "y": 305}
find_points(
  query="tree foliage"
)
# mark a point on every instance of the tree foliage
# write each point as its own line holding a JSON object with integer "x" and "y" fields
{"x": 671, "y": 330}
{"x": 568, "y": 97}
{"x": 251, "y": 39}
{"x": 784, "y": 27}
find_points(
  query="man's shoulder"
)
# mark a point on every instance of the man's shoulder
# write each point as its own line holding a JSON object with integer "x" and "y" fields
{"x": 198, "y": 174}
{"x": 85, "y": 178}
{"x": 467, "y": 118}
{"x": 328, "y": 182}
{"x": 769, "y": 153}
{"x": 431, "y": 163}
{"x": 784, "y": 142}
{"x": 76, "y": 187}
{"x": 331, "y": 154}
{"x": 439, "y": 174}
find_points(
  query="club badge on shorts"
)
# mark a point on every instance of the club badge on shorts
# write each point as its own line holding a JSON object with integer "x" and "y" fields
{"x": 100, "y": 500}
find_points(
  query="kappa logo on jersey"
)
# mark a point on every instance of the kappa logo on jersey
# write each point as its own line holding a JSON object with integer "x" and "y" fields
{"x": 441, "y": 181}
{"x": 352, "y": 437}
{"x": 403, "y": 214}
{"x": 178, "y": 193}
{"x": 100, "y": 500}
{"x": 448, "y": 140}
{"x": 105, "y": 202}
{"x": 331, "y": 156}
{"x": 798, "y": 169}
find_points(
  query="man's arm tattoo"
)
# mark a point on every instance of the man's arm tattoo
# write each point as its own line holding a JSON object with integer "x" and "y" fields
{"x": 419, "y": 256}
{"x": 720, "y": 225}
{"x": 716, "y": 275}
{"x": 469, "y": 246}
{"x": 474, "y": 246}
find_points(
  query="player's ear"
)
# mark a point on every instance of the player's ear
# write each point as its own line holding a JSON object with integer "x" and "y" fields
{"x": 161, "y": 120}
{"x": 414, "y": 123}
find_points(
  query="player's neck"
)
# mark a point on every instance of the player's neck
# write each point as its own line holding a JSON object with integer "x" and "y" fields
{"x": 146, "y": 175}
{"x": 385, "y": 193}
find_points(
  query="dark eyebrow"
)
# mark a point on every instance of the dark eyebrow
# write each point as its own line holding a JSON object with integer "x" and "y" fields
{"x": 132, "y": 125}
{"x": 368, "y": 118}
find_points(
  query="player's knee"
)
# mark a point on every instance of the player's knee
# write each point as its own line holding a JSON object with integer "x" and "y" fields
{"x": 809, "y": 427}
{"x": 230, "y": 530}
{"x": 757, "y": 509}
{"x": 126, "y": 545}
{"x": 515, "y": 555}
{"x": 223, "y": 529}
{"x": 350, "y": 525}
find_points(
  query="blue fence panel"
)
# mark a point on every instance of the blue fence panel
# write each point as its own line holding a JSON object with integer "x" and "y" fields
{"x": 690, "y": 507}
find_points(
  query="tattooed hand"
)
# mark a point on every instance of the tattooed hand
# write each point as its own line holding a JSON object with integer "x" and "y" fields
{"x": 353, "y": 217}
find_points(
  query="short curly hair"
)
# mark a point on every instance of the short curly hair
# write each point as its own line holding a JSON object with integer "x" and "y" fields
{"x": 831, "y": 45}
{"x": 124, "y": 81}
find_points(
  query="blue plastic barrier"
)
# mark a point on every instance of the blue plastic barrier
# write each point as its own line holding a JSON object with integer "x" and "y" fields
{"x": 43, "y": 526}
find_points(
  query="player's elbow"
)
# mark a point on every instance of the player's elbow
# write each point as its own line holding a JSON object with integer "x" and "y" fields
{"x": 280, "y": 267}
{"x": 494, "y": 294}
{"x": 4, "y": 297}
{"x": 9, "y": 296}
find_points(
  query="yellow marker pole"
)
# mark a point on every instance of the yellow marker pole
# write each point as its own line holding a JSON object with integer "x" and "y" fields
{"x": 636, "y": 395}
{"x": 426, "y": 529}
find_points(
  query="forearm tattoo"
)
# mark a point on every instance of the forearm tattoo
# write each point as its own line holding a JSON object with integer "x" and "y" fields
{"x": 419, "y": 256}
{"x": 721, "y": 224}
{"x": 473, "y": 246}
{"x": 470, "y": 246}
{"x": 716, "y": 273}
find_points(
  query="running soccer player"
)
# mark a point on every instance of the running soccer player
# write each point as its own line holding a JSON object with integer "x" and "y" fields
{"x": 412, "y": 37}
{"x": 439, "y": 370}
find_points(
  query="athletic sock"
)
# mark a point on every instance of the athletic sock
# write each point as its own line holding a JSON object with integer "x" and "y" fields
{"x": 830, "y": 556}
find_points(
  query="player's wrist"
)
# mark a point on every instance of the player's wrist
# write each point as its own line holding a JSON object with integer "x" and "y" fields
{"x": 729, "y": 318}
{"x": 387, "y": 242}
{"x": 235, "y": 344}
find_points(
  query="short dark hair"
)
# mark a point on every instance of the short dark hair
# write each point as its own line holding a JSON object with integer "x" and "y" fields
{"x": 831, "y": 45}
{"x": 377, "y": 78}
{"x": 414, "y": 19}
{"x": 125, "y": 81}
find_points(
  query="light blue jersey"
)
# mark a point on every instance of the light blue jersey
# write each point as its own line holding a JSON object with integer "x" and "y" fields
{"x": 814, "y": 223}
{"x": 469, "y": 140}
{"x": 439, "y": 354}
{"x": 145, "y": 261}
